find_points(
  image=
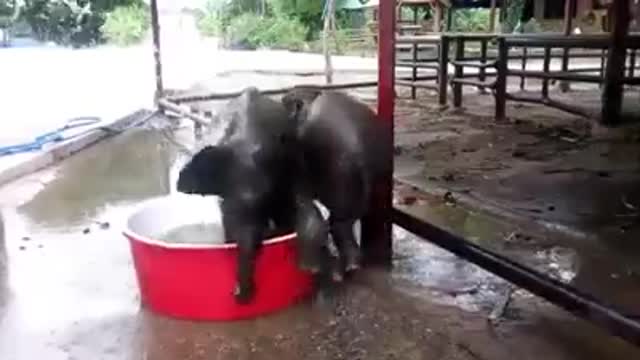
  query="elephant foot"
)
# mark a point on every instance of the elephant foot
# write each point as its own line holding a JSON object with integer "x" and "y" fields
{"x": 352, "y": 261}
{"x": 337, "y": 275}
{"x": 324, "y": 295}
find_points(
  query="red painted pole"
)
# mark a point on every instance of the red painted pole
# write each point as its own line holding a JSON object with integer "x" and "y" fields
{"x": 376, "y": 226}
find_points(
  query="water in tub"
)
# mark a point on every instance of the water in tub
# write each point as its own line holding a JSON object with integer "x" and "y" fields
{"x": 196, "y": 233}
{"x": 200, "y": 233}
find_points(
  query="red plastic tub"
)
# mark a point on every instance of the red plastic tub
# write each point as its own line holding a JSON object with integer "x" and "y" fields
{"x": 196, "y": 281}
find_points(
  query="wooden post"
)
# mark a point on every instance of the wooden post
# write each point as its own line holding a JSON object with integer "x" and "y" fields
{"x": 501, "y": 79}
{"x": 569, "y": 9}
{"x": 414, "y": 70}
{"x": 482, "y": 72}
{"x": 632, "y": 62}
{"x": 545, "y": 68}
{"x": 613, "y": 90}
{"x": 376, "y": 225}
{"x": 155, "y": 32}
{"x": 449, "y": 17}
{"x": 328, "y": 18}
{"x": 492, "y": 17}
{"x": 538, "y": 9}
{"x": 503, "y": 11}
{"x": 523, "y": 66}
{"x": 443, "y": 70}
{"x": 437, "y": 17}
{"x": 458, "y": 72}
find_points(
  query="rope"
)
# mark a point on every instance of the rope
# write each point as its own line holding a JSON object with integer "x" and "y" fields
{"x": 57, "y": 136}
{"x": 169, "y": 137}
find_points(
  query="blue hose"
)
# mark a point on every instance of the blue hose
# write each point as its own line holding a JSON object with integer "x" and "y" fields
{"x": 49, "y": 137}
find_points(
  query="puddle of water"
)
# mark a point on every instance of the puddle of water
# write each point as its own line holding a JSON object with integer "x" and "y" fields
{"x": 68, "y": 264}
{"x": 441, "y": 276}
{"x": 602, "y": 271}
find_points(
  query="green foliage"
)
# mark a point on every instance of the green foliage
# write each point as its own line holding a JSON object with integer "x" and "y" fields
{"x": 274, "y": 32}
{"x": 222, "y": 15}
{"x": 307, "y": 12}
{"x": 471, "y": 20}
{"x": 236, "y": 7}
{"x": 126, "y": 25}
{"x": 513, "y": 15}
{"x": 245, "y": 28}
{"x": 228, "y": 10}
{"x": 209, "y": 24}
{"x": 407, "y": 13}
{"x": 341, "y": 40}
{"x": 70, "y": 22}
{"x": 281, "y": 32}
{"x": 7, "y": 8}
{"x": 209, "y": 20}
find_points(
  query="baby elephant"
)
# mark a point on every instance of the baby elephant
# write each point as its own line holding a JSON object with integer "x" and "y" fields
{"x": 250, "y": 169}
{"x": 342, "y": 149}
{"x": 247, "y": 170}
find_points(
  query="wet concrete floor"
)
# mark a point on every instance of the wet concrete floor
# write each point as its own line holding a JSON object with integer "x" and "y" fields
{"x": 544, "y": 167}
{"x": 68, "y": 290}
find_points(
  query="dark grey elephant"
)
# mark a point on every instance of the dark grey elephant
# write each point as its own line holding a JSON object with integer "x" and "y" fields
{"x": 342, "y": 149}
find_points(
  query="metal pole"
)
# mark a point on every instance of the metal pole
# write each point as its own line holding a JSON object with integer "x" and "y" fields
{"x": 376, "y": 225}
{"x": 155, "y": 31}
{"x": 552, "y": 290}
